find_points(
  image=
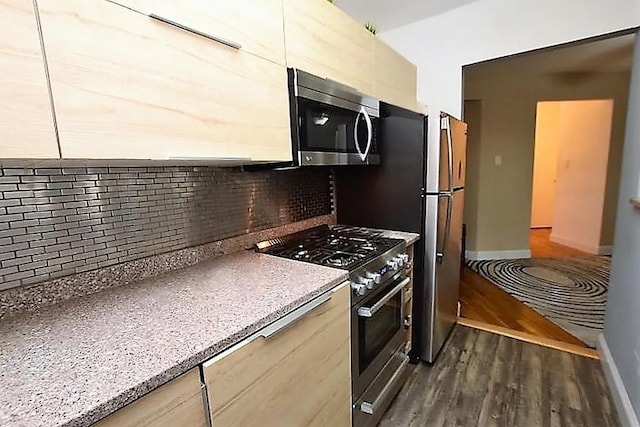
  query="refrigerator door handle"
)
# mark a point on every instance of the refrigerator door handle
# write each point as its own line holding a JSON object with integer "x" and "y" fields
{"x": 445, "y": 124}
{"x": 442, "y": 251}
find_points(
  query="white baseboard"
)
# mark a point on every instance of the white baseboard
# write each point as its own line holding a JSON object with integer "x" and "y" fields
{"x": 486, "y": 255}
{"x": 605, "y": 250}
{"x": 627, "y": 415}
{"x": 596, "y": 250}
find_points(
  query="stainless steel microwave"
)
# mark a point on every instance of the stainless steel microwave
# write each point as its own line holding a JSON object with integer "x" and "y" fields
{"x": 331, "y": 123}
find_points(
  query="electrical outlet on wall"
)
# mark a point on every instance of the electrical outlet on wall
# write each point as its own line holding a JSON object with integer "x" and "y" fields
{"x": 497, "y": 160}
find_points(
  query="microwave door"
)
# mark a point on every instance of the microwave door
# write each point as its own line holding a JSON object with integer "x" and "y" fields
{"x": 341, "y": 137}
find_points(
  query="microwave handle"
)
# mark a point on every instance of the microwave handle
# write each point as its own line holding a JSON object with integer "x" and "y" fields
{"x": 367, "y": 119}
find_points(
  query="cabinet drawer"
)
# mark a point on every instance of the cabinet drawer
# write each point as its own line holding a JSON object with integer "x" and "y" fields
{"x": 323, "y": 40}
{"x": 26, "y": 118}
{"x": 297, "y": 377}
{"x": 126, "y": 86}
{"x": 395, "y": 77}
{"x": 254, "y": 25}
{"x": 177, "y": 403}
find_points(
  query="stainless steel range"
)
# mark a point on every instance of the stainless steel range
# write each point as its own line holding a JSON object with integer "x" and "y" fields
{"x": 377, "y": 275}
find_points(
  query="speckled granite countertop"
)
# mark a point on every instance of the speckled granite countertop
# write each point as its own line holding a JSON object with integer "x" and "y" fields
{"x": 75, "y": 362}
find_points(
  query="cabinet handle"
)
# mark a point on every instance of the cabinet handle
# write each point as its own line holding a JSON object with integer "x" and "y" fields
{"x": 205, "y": 401}
{"x": 220, "y": 40}
{"x": 291, "y": 318}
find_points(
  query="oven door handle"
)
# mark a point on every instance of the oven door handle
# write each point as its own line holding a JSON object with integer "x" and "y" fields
{"x": 370, "y": 311}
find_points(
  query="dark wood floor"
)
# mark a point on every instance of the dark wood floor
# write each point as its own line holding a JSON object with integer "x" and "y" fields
{"x": 485, "y": 302}
{"x": 484, "y": 379}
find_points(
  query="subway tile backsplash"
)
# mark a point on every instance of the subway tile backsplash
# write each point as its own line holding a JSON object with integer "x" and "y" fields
{"x": 58, "y": 222}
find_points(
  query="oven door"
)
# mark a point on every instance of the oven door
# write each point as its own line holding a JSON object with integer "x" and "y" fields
{"x": 329, "y": 134}
{"x": 377, "y": 331}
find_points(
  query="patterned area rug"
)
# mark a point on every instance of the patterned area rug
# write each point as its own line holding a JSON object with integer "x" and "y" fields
{"x": 570, "y": 292}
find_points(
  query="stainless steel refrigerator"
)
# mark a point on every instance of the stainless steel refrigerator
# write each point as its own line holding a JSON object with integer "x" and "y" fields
{"x": 418, "y": 187}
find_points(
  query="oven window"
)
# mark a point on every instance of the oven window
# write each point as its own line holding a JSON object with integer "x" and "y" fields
{"x": 375, "y": 332}
{"x": 327, "y": 128}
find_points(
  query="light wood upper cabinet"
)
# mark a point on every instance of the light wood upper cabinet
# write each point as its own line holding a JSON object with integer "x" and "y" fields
{"x": 26, "y": 119}
{"x": 298, "y": 377}
{"x": 323, "y": 40}
{"x": 126, "y": 86}
{"x": 254, "y": 25}
{"x": 177, "y": 403}
{"x": 395, "y": 77}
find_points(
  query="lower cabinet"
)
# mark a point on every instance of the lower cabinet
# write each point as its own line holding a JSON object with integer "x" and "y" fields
{"x": 295, "y": 372}
{"x": 177, "y": 403}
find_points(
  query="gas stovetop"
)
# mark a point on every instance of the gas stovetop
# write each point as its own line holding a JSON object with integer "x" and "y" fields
{"x": 373, "y": 261}
{"x": 341, "y": 247}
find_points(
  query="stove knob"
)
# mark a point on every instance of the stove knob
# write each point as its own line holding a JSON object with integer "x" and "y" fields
{"x": 400, "y": 261}
{"x": 375, "y": 277}
{"x": 367, "y": 282}
{"x": 404, "y": 258}
{"x": 393, "y": 264}
{"x": 358, "y": 289}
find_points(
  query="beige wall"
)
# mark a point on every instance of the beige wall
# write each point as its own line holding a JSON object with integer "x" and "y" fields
{"x": 545, "y": 164}
{"x": 584, "y": 134}
{"x": 503, "y": 215}
{"x": 473, "y": 117}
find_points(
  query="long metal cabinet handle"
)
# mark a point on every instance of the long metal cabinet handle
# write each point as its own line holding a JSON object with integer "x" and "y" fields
{"x": 370, "y": 311}
{"x": 205, "y": 401}
{"x": 371, "y": 407}
{"x": 220, "y": 40}
{"x": 291, "y": 318}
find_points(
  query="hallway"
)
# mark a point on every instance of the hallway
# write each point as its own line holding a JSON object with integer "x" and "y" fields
{"x": 485, "y": 305}
{"x": 542, "y": 247}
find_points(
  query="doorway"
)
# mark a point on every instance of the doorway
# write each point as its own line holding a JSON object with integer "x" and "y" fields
{"x": 546, "y": 131}
{"x": 571, "y": 157}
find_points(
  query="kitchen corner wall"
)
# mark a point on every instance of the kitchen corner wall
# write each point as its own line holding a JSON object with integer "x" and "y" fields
{"x": 623, "y": 317}
{"x": 61, "y": 221}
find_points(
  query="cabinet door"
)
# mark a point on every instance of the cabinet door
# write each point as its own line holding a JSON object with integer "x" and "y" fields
{"x": 323, "y": 40}
{"x": 395, "y": 77}
{"x": 177, "y": 403}
{"x": 256, "y": 26}
{"x": 126, "y": 86}
{"x": 26, "y": 118}
{"x": 297, "y": 377}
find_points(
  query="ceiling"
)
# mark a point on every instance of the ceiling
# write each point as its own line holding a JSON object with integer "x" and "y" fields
{"x": 389, "y": 14}
{"x": 608, "y": 55}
